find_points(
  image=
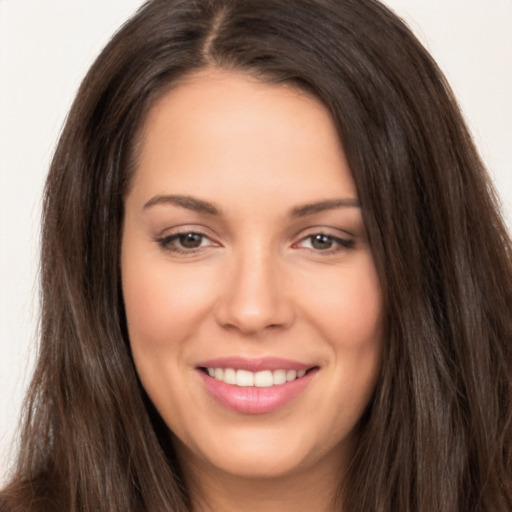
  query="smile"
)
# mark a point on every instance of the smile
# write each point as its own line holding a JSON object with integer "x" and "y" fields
{"x": 260, "y": 379}
{"x": 255, "y": 386}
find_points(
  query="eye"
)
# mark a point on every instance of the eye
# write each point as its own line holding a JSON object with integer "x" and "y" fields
{"x": 185, "y": 242}
{"x": 322, "y": 242}
{"x": 190, "y": 240}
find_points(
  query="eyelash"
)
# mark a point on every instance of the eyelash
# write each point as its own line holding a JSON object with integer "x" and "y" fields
{"x": 169, "y": 243}
{"x": 340, "y": 244}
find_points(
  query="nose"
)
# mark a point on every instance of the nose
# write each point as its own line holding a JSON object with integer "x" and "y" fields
{"x": 253, "y": 296}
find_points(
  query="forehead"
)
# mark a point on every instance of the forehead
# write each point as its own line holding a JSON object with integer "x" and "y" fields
{"x": 239, "y": 131}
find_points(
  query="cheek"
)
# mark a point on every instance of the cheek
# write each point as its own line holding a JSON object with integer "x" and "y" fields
{"x": 164, "y": 309}
{"x": 349, "y": 314}
{"x": 347, "y": 307}
{"x": 161, "y": 304}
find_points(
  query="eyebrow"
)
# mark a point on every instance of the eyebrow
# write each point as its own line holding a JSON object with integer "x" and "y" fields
{"x": 321, "y": 206}
{"x": 188, "y": 202}
{"x": 201, "y": 206}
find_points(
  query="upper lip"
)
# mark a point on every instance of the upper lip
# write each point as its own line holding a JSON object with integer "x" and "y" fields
{"x": 255, "y": 364}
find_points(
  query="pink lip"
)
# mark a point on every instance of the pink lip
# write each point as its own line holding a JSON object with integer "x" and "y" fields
{"x": 253, "y": 400}
{"x": 254, "y": 365}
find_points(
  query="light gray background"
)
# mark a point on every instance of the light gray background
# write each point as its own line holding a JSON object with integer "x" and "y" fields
{"x": 47, "y": 45}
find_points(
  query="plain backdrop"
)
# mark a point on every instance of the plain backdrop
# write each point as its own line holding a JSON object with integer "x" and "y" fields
{"x": 46, "y": 47}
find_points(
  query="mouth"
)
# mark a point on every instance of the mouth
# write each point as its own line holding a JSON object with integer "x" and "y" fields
{"x": 259, "y": 379}
{"x": 255, "y": 386}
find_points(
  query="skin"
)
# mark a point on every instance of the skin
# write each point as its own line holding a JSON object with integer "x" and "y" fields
{"x": 258, "y": 284}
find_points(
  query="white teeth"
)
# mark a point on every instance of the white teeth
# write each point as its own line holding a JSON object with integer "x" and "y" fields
{"x": 244, "y": 378}
{"x": 279, "y": 377}
{"x": 261, "y": 379}
{"x": 229, "y": 376}
{"x": 291, "y": 375}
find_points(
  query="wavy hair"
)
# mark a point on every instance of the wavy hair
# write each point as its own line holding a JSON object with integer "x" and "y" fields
{"x": 437, "y": 434}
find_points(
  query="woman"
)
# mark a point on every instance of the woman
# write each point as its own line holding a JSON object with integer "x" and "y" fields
{"x": 273, "y": 276}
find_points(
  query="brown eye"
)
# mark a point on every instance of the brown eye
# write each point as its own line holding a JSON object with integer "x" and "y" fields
{"x": 185, "y": 243}
{"x": 190, "y": 240}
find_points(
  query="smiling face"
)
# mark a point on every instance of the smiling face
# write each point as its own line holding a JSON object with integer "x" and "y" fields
{"x": 253, "y": 305}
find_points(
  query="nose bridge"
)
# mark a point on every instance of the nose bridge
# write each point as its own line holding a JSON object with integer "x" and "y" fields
{"x": 253, "y": 296}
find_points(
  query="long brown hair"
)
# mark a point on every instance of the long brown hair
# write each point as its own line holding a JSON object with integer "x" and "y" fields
{"x": 437, "y": 435}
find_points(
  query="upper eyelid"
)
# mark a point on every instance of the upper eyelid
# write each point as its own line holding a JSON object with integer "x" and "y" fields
{"x": 170, "y": 243}
{"x": 176, "y": 235}
{"x": 169, "y": 235}
{"x": 184, "y": 229}
{"x": 335, "y": 232}
{"x": 337, "y": 239}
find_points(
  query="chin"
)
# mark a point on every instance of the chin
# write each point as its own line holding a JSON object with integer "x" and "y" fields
{"x": 271, "y": 463}
{"x": 259, "y": 455}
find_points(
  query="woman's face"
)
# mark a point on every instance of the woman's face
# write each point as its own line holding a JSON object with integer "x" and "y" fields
{"x": 253, "y": 305}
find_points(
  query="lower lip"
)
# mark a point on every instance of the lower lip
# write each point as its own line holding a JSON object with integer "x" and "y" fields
{"x": 253, "y": 400}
